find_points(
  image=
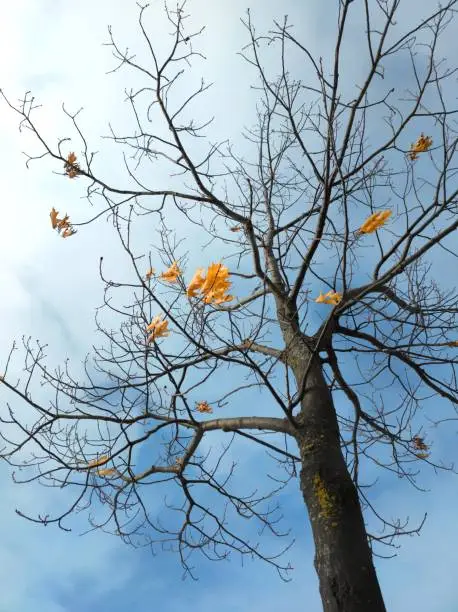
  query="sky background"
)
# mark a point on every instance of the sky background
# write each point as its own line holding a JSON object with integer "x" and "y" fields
{"x": 51, "y": 288}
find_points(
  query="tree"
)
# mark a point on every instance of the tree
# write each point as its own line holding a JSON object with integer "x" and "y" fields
{"x": 332, "y": 205}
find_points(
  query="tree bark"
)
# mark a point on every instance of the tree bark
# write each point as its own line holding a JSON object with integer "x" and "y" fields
{"x": 343, "y": 558}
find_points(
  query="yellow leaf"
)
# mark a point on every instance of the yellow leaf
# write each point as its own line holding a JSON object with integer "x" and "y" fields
{"x": 68, "y": 231}
{"x": 63, "y": 223}
{"x": 221, "y": 299}
{"x": 423, "y": 144}
{"x": 213, "y": 287}
{"x": 71, "y": 167}
{"x": 419, "y": 443}
{"x": 54, "y": 218}
{"x": 100, "y": 461}
{"x": 171, "y": 274}
{"x": 453, "y": 343}
{"x": 107, "y": 472}
{"x": 150, "y": 273}
{"x": 196, "y": 283}
{"x": 204, "y": 407}
{"x": 374, "y": 222}
{"x": 158, "y": 328}
{"x": 216, "y": 284}
{"x": 331, "y": 297}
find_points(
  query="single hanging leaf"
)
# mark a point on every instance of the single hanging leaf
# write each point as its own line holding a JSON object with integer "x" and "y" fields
{"x": 331, "y": 297}
{"x": 72, "y": 169}
{"x": 107, "y": 472}
{"x": 171, "y": 274}
{"x": 158, "y": 328}
{"x": 54, "y": 218}
{"x": 422, "y": 145}
{"x": 68, "y": 231}
{"x": 374, "y": 222}
{"x": 100, "y": 461}
{"x": 204, "y": 407}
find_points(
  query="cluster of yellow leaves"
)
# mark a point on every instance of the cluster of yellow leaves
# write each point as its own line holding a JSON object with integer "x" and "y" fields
{"x": 72, "y": 169}
{"x": 62, "y": 225}
{"x": 331, "y": 297}
{"x": 171, "y": 274}
{"x": 374, "y": 222}
{"x": 420, "y": 446}
{"x": 213, "y": 287}
{"x": 204, "y": 407}
{"x": 422, "y": 145}
{"x": 158, "y": 328}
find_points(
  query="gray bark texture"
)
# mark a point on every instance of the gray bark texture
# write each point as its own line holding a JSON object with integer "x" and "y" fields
{"x": 343, "y": 557}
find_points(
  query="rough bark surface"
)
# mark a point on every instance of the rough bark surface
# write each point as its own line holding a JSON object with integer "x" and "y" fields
{"x": 343, "y": 557}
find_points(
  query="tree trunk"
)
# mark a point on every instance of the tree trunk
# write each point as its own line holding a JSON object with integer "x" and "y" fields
{"x": 343, "y": 558}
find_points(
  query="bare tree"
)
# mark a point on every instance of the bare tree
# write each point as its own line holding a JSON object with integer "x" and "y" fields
{"x": 333, "y": 196}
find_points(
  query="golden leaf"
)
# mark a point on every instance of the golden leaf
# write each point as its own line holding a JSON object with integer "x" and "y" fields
{"x": 68, "y": 231}
{"x": 204, "y": 407}
{"x": 196, "y": 283}
{"x": 158, "y": 328}
{"x": 220, "y": 299}
{"x": 54, "y": 219}
{"x": 453, "y": 343}
{"x": 331, "y": 297}
{"x": 150, "y": 273}
{"x": 419, "y": 443}
{"x": 100, "y": 461}
{"x": 71, "y": 167}
{"x": 213, "y": 287}
{"x": 374, "y": 222}
{"x": 216, "y": 284}
{"x": 107, "y": 472}
{"x": 423, "y": 144}
{"x": 171, "y": 274}
{"x": 63, "y": 223}
{"x": 236, "y": 228}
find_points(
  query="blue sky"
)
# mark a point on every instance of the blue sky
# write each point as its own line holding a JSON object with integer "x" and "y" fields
{"x": 54, "y": 49}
